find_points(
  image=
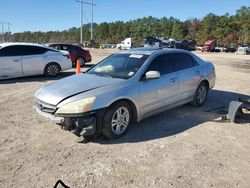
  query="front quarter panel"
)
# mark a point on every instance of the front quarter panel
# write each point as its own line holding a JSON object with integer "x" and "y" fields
{"x": 107, "y": 95}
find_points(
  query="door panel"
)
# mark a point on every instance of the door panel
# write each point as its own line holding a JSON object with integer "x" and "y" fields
{"x": 10, "y": 66}
{"x": 158, "y": 93}
{"x": 188, "y": 73}
{"x": 188, "y": 82}
{"x": 33, "y": 64}
{"x": 10, "y": 61}
{"x": 33, "y": 59}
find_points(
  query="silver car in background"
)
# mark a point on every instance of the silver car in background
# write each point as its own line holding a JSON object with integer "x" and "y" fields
{"x": 26, "y": 59}
{"x": 126, "y": 87}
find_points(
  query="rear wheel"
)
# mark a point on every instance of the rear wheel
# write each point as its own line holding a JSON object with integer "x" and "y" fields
{"x": 52, "y": 70}
{"x": 116, "y": 120}
{"x": 200, "y": 95}
{"x": 82, "y": 61}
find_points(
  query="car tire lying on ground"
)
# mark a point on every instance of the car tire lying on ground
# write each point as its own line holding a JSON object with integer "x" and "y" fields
{"x": 52, "y": 70}
{"x": 117, "y": 119}
{"x": 200, "y": 95}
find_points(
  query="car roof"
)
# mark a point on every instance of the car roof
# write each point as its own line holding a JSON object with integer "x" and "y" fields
{"x": 20, "y": 43}
{"x": 63, "y": 44}
{"x": 151, "y": 50}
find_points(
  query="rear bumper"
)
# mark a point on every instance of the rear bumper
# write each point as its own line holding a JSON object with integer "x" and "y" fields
{"x": 89, "y": 60}
{"x": 86, "y": 124}
{"x": 87, "y": 57}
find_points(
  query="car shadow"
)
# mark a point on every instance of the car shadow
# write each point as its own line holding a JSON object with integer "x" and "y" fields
{"x": 177, "y": 120}
{"x": 39, "y": 78}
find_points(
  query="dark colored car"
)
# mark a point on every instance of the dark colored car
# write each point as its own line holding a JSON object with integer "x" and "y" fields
{"x": 76, "y": 52}
{"x": 186, "y": 45}
{"x": 231, "y": 49}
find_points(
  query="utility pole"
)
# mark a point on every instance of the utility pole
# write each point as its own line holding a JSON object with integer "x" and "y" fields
{"x": 81, "y": 14}
{"x": 81, "y": 10}
{"x": 92, "y": 18}
{"x": 9, "y": 31}
{"x": 81, "y": 2}
{"x": 2, "y": 32}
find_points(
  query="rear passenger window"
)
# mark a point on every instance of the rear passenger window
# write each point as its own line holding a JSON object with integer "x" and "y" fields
{"x": 10, "y": 51}
{"x": 182, "y": 61}
{"x": 32, "y": 50}
{"x": 161, "y": 64}
{"x": 57, "y": 47}
{"x": 66, "y": 48}
{"x": 73, "y": 48}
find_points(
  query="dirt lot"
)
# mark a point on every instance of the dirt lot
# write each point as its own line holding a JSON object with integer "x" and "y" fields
{"x": 183, "y": 147}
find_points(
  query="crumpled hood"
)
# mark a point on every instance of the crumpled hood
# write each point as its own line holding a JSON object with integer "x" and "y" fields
{"x": 70, "y": 86}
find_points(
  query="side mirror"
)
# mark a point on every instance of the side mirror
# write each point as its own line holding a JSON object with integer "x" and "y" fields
{"x": 152, "y": 75}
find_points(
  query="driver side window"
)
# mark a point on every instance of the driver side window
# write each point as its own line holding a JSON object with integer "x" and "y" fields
{"x": 162, "y": 64}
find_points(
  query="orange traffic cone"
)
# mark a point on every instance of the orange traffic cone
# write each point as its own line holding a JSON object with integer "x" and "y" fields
{"x": 78, "y": 67}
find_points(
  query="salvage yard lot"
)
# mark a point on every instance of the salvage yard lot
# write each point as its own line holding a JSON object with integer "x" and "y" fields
{"x": 183, "y": 147}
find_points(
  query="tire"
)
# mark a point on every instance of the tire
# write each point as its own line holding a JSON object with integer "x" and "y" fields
{"x": 82, "y": 61}
{"x": 200, "y": 95}
{"x": 120, "y": 125}
{"x": 52, "y": 70}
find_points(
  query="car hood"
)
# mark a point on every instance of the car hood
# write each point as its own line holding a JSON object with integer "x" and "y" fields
{"x": 56, "y": 92}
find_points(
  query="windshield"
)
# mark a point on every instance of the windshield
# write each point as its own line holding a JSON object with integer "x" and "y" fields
{"x": 119, "y": 65}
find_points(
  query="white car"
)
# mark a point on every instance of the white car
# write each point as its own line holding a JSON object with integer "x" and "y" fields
{"x": 25, "y": 59}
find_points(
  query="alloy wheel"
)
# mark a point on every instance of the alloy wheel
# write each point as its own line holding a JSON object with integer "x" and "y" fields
{"x": 120, "y": 120}
{"x": 53, "y": 70}
{"x": 201, "y": 94}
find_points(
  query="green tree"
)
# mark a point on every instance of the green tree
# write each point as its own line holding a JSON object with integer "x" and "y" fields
{"x": 178, "y": 31}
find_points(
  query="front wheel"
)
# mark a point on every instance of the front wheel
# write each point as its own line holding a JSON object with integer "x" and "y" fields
{"x": 116, "y": 120}
{"x": 52, "y": 70}
{"x": 200, "y": 95}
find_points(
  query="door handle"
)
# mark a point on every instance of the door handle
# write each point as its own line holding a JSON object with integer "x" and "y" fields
{"x": 16, "y": 60}
{"x": 173, "y": 79}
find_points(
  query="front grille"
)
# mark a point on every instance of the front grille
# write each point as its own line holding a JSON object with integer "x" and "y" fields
{"x": 45, "y": 107}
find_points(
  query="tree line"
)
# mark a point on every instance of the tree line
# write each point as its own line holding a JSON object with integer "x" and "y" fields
{"x": 226, "y": 29}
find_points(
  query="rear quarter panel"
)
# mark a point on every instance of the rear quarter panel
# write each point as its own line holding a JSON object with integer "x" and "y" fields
{"x": 209, "y": 72}
{"x": 57, "y": 57}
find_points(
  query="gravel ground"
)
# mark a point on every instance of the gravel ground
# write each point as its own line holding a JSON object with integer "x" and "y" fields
{"x": 182, "y": 147}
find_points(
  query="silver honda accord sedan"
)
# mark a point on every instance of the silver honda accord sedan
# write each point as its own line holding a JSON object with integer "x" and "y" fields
{"x": 126, "y": 87}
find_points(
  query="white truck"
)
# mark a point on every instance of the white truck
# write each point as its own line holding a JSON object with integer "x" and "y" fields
{"x": 244, "y": 50}
{"x": 125, "y": 45}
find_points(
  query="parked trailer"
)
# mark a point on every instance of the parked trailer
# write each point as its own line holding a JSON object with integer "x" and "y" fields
{"x": 125, "y": 45}
{"x": 243, "y": 50}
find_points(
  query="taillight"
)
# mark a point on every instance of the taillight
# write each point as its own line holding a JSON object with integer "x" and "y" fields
{"x": 67, "y": 56}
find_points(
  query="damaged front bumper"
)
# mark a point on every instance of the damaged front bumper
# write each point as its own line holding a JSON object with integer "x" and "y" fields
{"x": 85, "y": 124}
